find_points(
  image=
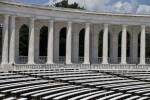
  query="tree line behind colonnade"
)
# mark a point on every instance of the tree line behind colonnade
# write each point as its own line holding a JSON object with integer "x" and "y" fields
{"x": 24, "y": 36}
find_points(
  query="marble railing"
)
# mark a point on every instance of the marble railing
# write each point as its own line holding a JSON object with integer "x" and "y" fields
{"x": 43, "y": 59}
{"x": 23, "y": 59}
{"x": 126, "y": 67}
{"x": 62, "y": 58}
{"x": 81, "y": 59}
{"x": 148, "y": 60}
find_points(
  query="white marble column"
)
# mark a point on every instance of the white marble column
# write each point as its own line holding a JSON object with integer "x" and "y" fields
{"x": 142, "y": 48}
{"x": 12, "y": 40}
{"x": 5, "y": 40}
{"x": 31, "y": 42}
{"x": 68, "y": 43}
{"x": 124, "y": 44}
{"x": 105, "y": 45}
{"x": 50, "y": 49}
{"x": 87, "y": 44}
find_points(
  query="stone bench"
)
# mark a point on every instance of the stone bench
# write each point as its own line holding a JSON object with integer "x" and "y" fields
{"x": 96, "y": 80}
{"x": 86, "y": 95}
{"x": 66, "y": 96}
{"x": 110, "y": 96}
{"x": 121, "y": 85}
{"x": 128, "y": 88}
{"x": 144, "y": 98}
{"x": 57, "y": 90}
{"x": 2, "y": 96}
{"x": 121, "y": 97}
{"x": 21, "y": 84}
{"x": 17, "y": 80}
{"x": 61, "y": 93}
{"x": 10, "y": 98}
{"x": 84, "y": 77}
{"x": 44, "y": 90}
{"x": 95, "y": 96}
{"x": 133, "y": 98}
{"x": 94, "y": 84}
{"x": 35, "y": 88}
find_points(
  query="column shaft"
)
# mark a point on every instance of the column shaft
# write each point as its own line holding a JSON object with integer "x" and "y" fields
{"x": 142, "y": 48}
{"x": 87, "y": 44}
{"x": 31, "y": 42}
{"x": 12, "y": 41}
{"x": 50, "y": 42}
{"x": 68, "y": 43}
{"x": 5, "y": 40}
{"x": 105, "y": 45}
{"x": 124, "y": 45}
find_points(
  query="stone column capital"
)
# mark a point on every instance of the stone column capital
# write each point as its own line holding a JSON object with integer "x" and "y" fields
{"x": 32, "y": 19}
{"x": 124, "y": 26}
{"x": 51, "y": 20}
{"x": 87, "y": 23}
{"x": 143, "y": 26}
{"x": 13, "y": 16}
{"x": 106, "y": 25}
{"x": 6, "y": 15}
{"x": 69, "y": 22}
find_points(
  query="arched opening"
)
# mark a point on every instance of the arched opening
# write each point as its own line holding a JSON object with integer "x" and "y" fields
{"x": 100, "y": 46}
{"x": 43, "y": 41}
{"x": 23, "y": 40}
{"x": 120, "y": 45}
{"x": 81, "y": 42}
{"x": 1, "y": 29}
{"x": 62, "y": 42}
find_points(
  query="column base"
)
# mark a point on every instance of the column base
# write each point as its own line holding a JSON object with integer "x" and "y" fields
{"x": 123, "y": 63}
{"x": 12, "y": 63}
{"x": 50, "y": 63}
{"x": 88, "y": 63}
{"x": 30, "y": 62}
{"x": 142, "y": 63}
{"x": 3, "y": 65}
{"x": 69, "y": 63}
{"x": 105, "y": 63}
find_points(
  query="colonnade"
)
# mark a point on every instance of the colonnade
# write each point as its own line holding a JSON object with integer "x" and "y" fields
{"x": 8, "y": 43}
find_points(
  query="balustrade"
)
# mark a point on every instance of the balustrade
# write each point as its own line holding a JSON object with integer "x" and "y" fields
{"x": 81, "y": 59}
{"x": 23, "y": 59}
{"x": 62, "y": 58}
{"x": 120, "y": 67}
{"x": 43, "y": 59}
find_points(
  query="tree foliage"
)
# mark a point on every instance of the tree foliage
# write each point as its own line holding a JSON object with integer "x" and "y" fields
{"x": 65, "y": 4}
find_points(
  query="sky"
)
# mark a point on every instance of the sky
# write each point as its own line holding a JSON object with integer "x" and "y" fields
{"x": 122, "y": 6}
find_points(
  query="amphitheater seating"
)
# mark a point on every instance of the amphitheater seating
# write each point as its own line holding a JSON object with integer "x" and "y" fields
{"x": 71, "y": 84}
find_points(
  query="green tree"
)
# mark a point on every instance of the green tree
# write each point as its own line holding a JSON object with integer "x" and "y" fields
{"x": 65, "y": 4}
